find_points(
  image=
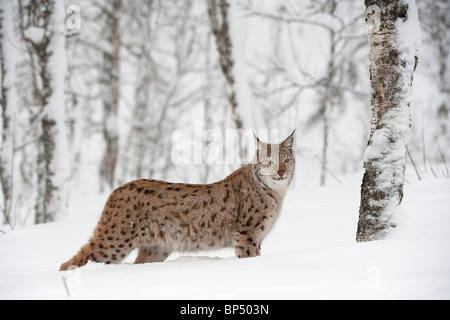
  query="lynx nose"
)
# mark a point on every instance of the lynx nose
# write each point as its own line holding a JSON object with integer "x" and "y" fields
{"x": 281, "y": 172}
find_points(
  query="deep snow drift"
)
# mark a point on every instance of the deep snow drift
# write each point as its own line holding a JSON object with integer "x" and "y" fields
{"x": 310, "y": 254}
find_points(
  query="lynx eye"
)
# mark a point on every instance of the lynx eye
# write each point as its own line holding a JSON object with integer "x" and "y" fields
{"x": 287, "y": 160}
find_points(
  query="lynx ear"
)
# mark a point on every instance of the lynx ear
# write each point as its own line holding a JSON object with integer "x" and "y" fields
{"x": 289, "y": 142}
{"x": 257, "y": 142}
{"x": 257, "y": 148}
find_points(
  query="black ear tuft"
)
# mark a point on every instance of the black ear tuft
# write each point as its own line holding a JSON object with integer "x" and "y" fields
{"x": 256, "y": 138}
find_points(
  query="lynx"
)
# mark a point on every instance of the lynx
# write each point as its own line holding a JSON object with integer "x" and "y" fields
{"x": 160, "y": 217}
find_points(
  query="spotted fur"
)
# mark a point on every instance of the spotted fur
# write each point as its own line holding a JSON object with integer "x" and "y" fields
{"x": 159, "y": 217}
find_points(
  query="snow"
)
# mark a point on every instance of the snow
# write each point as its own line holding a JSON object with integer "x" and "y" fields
{"x": 409, "y": 34}
{"x": 35, "y": 34}
{"x": 310, "y": 254}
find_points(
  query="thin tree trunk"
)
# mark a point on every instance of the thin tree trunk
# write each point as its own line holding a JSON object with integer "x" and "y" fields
{"x": 8, "y": 101}
{"x": 43, "y": 28}
{"x": 392, "y": 64}
{"x": 218, "y": 15}
{"x": 324, "y": 160}
{"x": 54, "y": 145}
{"x": 111, "y": 98}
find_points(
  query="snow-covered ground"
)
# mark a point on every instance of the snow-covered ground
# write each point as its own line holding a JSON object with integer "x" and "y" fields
{"x": 310, "y": 254}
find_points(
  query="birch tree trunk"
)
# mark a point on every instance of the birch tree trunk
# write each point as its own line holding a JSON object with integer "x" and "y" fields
{"x": 218, "y": 15}
{"x": 43, "y": 28}
{"x": 8, "y": 101}
{"x": 393, "y": 41}
{"x": 56, "y": 113}
{"x": 110, "y": 94}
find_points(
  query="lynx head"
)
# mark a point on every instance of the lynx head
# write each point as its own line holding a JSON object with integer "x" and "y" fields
{"x": 274, "y": 164}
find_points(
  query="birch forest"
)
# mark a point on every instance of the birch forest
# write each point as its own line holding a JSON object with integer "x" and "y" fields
{"x": 97, "y": 93}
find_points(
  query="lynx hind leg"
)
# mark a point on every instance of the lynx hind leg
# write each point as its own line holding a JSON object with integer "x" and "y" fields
{"x": 151, "y": 254}
{"x": 79, "y": 260}
{"x": 98, "y": 252}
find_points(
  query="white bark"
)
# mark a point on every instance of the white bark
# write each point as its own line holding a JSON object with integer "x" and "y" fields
{"x": 8, "y": 97}
{"x": 393, "y": 37}
{"x": 55, "y": 110}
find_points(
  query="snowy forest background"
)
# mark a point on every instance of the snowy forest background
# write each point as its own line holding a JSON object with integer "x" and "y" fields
{"x": 92, "y": 92}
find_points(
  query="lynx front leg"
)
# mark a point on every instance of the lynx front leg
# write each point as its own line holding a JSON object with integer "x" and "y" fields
{"x": 247, "y": 245}
{"x": 151, "y": 254}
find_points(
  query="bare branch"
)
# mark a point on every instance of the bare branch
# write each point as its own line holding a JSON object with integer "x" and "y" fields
{"x": 289, "y": 20}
